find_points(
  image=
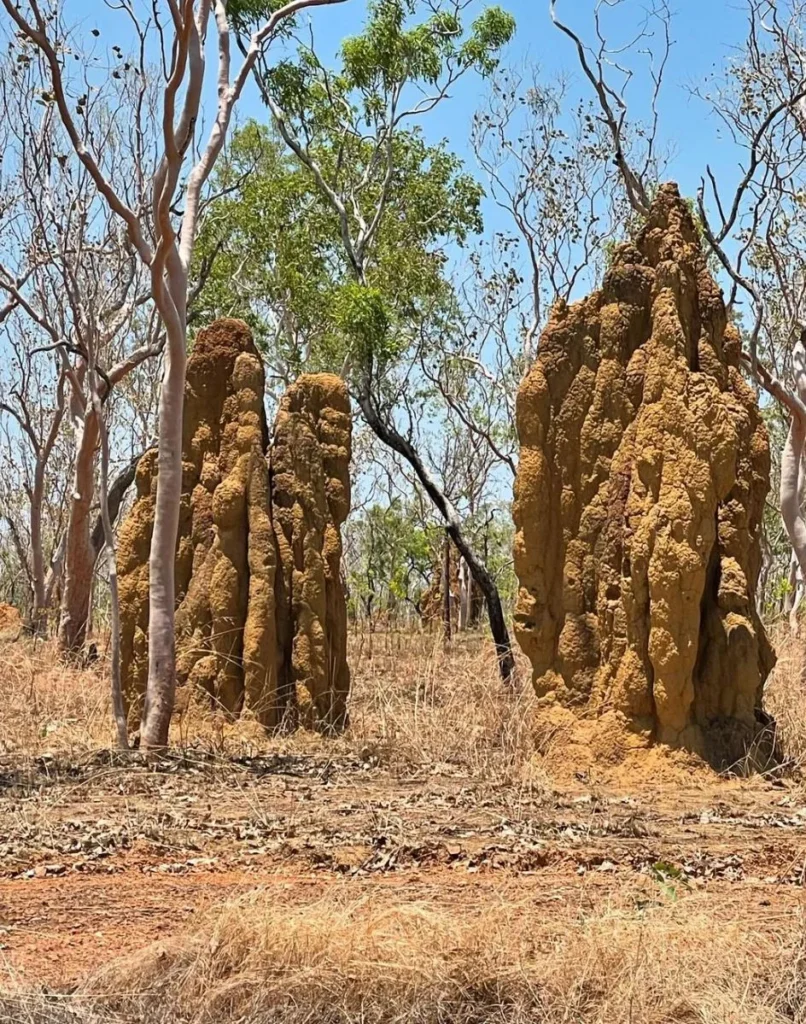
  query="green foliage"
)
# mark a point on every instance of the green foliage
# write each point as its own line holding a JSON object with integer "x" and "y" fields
{"x": 668, "y": 876}
{"x": 389, "y": 53}
{"x": 281, "y": 259}
{"x": 389, "y": 556}
{"x": 359, "y": 315}
{"x": 245, "y": 14}
{"x": 491, "y": 31}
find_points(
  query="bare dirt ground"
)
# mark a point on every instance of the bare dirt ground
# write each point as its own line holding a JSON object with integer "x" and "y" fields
{"x": 98, "y": 859}
{"x": 444, "y": 829}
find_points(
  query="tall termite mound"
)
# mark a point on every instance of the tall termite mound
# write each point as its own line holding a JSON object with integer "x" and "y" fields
{"x": 261, "y": 613}
{"x": 310, "y": 464}
{"x": 638, "y": 504}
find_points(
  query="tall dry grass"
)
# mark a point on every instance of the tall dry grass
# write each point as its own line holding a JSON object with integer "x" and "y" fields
{"x": 785, "y": 696}
{"x": 414, "y": 702}
{"x": 50, "y": 706}
{"x": 340, "y": 962}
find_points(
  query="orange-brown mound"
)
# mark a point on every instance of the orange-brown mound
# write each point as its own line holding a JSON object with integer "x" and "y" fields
{"x": 261, "y": 615}
{"x": 10, "y": 621}
{"x": 644, "y": 470}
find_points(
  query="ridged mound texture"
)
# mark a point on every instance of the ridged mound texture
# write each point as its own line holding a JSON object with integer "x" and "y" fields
{"x": 261, "y": 624}
{"x": 638, "y": 505}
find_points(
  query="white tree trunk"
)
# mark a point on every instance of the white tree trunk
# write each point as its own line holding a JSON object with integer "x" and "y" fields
{"x": 792, "y": 466}
{"x": 465, "y": 595}
{"x": 79, "y": 561}
{"x": 39, "y": 608}
{"x": 159, "y": 701}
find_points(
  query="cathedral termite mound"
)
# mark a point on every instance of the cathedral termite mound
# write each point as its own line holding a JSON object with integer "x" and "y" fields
{"x": 638, "y": 505}
{"x": 261, "y": 612}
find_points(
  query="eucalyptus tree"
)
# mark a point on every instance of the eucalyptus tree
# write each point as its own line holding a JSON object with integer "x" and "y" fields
{"x": 376, "y": 207}
{"x": 756, "y": 227}
{"x": 35, "y": 467}
{"x": 389, "y": 558}
{"x": 71, "y": 277}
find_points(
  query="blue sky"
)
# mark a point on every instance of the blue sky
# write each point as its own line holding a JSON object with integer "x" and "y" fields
{"x": 705, "y": 31}
{"x": 705, "y": 34}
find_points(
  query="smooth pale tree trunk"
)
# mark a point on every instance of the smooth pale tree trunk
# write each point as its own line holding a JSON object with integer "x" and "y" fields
{"x": 79, "y": 562}
{"x": 160, "y": 692}
{"x": 797, "y": 599}
{"x": 40, "y": 578}
{"x": 465, "y": 595}
{"x": 118, "y": 708}
{"x": 792, "y": 465}
{"x": 391, "y": 437}
{"x": 792, "y": 470}
{"x": 54, "y": 577}
{"x": 39, "y": 604}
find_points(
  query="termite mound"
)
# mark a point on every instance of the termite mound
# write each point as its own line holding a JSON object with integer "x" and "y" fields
{"x": 638, "y": 506}
{"x": 261, "y": 623}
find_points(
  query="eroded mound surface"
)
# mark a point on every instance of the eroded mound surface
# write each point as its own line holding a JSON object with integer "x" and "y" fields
{"x": 261, "y": 615}
{"x": 644, "y": 470}
{"x": 310, "y": 465}
{"x": 11, "y": 624}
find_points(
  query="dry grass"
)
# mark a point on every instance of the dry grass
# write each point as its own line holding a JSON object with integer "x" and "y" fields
{"x": 416, "y": 701}
{"x": 412, "y": 702}
{"x": 337, "y": 963}
{"x": 573, "y": 957}
{"x": 49, "y": 706}
{"x": 785, "y": 696}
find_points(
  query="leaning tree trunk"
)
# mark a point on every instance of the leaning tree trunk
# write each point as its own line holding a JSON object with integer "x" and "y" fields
{"x": 390, "y": 436}
{"x": 79, "y": 561}
{"x": 161, "y": 686}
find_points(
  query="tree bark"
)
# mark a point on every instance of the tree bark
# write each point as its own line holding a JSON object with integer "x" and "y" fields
{"x": 79, "y": 563}
{"x": 118, "y": 707}
{"x": 391, "y": 437}
{"x": 161, "y": 687}
{"x": 446, "y": 588}
{"x": 465, "y": 596}
{"x": 792, "y": 469}
{"x": 792, "y": 465}
{"x": 39, "y": 605}
{"x": 117, "y": 492}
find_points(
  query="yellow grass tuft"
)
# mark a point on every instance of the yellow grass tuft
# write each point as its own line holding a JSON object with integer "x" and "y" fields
{"x": 345, "y": 962}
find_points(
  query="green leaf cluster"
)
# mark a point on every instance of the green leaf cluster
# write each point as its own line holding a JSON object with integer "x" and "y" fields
{"x": 390, "y": 556}
{"x": 276, "y": 244}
